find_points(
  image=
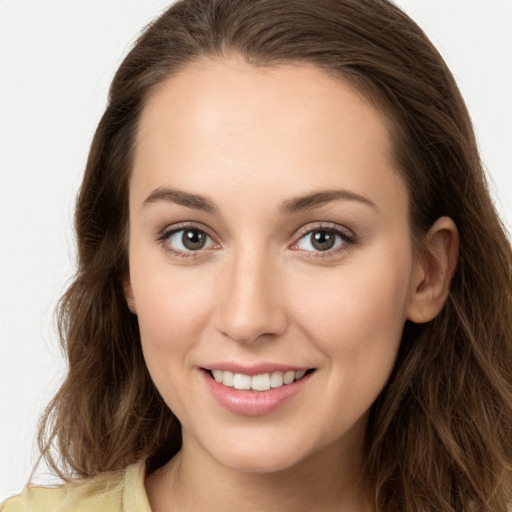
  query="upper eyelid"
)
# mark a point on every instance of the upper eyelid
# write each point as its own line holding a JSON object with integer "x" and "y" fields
{"x": 305, "y": 228}
{"x": 316, "y": 226}
{"x": 180, "y": 226}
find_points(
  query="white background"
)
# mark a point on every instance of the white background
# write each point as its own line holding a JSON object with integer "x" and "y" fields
{"x": 57, "y": 58}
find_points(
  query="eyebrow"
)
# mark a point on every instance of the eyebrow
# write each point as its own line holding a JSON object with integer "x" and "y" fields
{"x": 195, "y": 201}
{"x": 290, "y": 206}
{"x": 317, "y": 199}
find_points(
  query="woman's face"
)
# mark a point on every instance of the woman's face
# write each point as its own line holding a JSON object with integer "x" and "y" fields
{"x": 269, "y": 237}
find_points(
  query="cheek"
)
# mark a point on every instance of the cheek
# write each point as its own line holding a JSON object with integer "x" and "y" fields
{"x": 171, "y": 311}
{"x": 171, "y": 308}
{"x": 356, "y": 313}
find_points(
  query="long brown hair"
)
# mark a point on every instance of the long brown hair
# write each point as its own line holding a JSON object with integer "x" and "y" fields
{"x": 440, "y": 434}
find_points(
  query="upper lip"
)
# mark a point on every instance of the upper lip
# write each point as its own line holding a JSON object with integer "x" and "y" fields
{"x": 255, "y": 369}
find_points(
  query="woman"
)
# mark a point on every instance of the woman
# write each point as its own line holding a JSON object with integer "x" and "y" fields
{"x": 293, "y": 289}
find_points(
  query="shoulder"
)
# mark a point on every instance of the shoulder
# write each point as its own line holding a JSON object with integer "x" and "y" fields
{"x": 117, "y": 491}
{"x": 35, "y": 499}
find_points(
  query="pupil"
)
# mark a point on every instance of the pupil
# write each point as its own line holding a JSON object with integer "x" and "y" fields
{"x": 193, "y": 239}
{"x": 323, "y": 240}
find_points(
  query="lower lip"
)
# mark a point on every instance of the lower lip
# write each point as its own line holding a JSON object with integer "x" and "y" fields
{"x": 253, "y": 403}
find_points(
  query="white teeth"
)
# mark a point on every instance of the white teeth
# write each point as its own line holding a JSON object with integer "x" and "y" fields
{"x": 276, "y": 380}
{"x": 289, "y": 377}
{"x": 227, "y": 378}
{"x": 241, "y": 381}
{"x": 262, "y": 382}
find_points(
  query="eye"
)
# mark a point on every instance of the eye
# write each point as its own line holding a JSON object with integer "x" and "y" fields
{"x": 187, "y": 240}
{"x": 324, "y": 239}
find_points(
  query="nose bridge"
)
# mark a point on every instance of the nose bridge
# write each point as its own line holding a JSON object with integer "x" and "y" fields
{"x": 250, "y": 304}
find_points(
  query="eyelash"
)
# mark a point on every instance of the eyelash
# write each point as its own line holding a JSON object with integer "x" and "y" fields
{"x": 348, "y": 239}
{"x": 163, "y": 238}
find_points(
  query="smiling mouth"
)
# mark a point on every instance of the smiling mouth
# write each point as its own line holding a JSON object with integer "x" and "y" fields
{"x": 261, "y": 382}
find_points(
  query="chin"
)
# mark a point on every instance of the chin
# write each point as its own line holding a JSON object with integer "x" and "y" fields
{"x": 260, "y": 462}
{"x": 264, "y": 452}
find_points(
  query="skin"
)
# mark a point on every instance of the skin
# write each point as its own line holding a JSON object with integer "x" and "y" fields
{"x": 251, "y": 140}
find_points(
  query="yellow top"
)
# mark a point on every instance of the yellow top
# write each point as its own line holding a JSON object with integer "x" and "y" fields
{"x": 117, "y": 491}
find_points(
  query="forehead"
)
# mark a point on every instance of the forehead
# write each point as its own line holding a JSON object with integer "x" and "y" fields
{"x": 230, "y": 93}
{"x": 228, "y": 123}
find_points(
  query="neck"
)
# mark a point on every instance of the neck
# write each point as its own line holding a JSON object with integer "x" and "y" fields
{"x": 330, "y": 480}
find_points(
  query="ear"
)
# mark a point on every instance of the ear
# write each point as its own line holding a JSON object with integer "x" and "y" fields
{"x": 433, "y": 271}
{"x": 128, "y": 294}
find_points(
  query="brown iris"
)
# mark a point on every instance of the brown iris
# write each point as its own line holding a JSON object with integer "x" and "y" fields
{"x": 193, "y": 239}
{"x": 323, "y": 240}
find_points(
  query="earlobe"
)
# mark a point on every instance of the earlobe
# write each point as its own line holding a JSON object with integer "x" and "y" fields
{"x": 128, "y": 295}
{"x": 434, "y": 271}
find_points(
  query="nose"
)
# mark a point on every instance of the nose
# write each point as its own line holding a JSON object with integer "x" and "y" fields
{"x": 251, "y": 303}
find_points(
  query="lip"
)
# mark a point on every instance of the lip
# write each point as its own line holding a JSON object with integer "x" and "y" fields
{"x": 253, "y": 403}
